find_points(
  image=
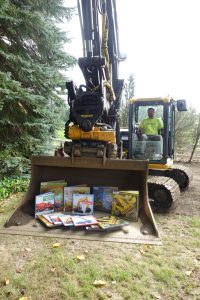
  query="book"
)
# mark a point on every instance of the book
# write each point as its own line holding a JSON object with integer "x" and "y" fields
{"x": 45, "y": 221}
{"x": 83, "y": 220}
{"x": 103, "y": 198}
{"x": 107, "y": 223}
{"x": 66, "y": 220}
{"x": 47, "y": 217}
{"x": 83, "y": 204}
{"x": 55, "y": 218}
{"x": 57, "y": 187}
{"x": 68, "y": 195}
{"x": 44, "y": 203}
{"x": 126, "y": 204}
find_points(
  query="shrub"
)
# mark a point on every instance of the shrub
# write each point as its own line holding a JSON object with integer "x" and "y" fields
{"x": 11, "y": 185}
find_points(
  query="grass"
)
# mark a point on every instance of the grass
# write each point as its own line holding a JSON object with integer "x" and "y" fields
{"x": 130, "y": 272}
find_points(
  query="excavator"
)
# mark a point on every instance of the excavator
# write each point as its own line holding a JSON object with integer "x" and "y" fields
{"x": 92, "y": 153}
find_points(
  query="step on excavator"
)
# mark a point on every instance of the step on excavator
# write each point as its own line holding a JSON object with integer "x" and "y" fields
{"x": 92, "y": 153}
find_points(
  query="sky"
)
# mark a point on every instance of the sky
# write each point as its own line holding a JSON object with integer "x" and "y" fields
{"x": 161, "y": 40}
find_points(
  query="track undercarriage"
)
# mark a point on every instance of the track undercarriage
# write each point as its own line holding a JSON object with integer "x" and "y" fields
{"x": 165, "y": 186}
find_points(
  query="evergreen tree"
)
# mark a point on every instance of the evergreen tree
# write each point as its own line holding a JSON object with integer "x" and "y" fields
{"x": 129, "y": 91}
{"x": 31, "y": 58}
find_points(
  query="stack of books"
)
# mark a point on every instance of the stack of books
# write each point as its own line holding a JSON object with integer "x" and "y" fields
{"x": 74, "y": 206}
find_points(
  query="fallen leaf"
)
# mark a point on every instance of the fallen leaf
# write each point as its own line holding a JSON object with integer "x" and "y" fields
{"x": 114, "y": 282}
{"x": 141, "y": 251}
{"x": 24, "y": 298}
{"x": 27, "y": 249}
{"x": 56, "y": 245}
{"x": 99, "y": 283}
{"x": 157, "y": 296}
{"x": 80, "y": 257}
{"x": 18, "y": 270}
{"x": 53, "y": 270}
{"x": 86, "y": 251}
{"x": 2, "y": 210}
{"x": 188, "y": 273}
{"x": 6, "y": 281}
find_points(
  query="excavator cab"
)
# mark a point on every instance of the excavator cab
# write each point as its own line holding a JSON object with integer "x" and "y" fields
{"x": 157, "y": 147}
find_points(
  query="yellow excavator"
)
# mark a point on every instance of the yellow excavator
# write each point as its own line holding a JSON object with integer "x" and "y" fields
{"x": 92, "y": 153}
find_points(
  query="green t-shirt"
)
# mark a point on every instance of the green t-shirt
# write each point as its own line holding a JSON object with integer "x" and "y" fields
{"x": 151, "y": 126}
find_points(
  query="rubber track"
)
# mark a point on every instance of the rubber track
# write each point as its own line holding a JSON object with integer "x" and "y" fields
{"x": 168, "y": 184}
{"x": 188, "y": 173}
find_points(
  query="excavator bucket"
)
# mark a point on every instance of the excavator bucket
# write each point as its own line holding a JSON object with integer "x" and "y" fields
{"x": 125, "y": 174}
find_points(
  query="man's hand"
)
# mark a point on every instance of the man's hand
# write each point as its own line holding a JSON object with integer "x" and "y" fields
{"x": 138, "y": 131}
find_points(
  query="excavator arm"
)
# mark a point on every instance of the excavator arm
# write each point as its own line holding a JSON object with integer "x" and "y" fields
{"x": 94, "y": 106}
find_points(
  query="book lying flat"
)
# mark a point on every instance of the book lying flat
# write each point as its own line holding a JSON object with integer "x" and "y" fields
{"x": 107, "y": 223}
{"x": 55, "y": 218}
{"x": 46, "y": 222}
{"x": 83, "y": 220}
{"x": 66, "y": 220}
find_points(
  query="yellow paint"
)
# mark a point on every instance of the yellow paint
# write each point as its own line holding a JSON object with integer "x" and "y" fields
{"x": 87, "y": 116}
{"x": 158, "y": 99}
{"x": 75, "y": 133}
{"x": 160, "y": 166}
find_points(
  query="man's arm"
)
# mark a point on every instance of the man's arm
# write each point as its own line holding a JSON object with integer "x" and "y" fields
{"x": 160, "y": 123}
{"x": 141, "y": 125}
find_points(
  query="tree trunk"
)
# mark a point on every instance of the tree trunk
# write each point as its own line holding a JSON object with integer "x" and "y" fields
{"x": 196, "y": 142}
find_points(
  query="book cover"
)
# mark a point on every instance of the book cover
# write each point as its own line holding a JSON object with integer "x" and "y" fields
{"x": 83, "y": 204}
{"x": 44, "y": 203}
{"x": 126, "y": 204}
{"x": 103, "y": 198}
{"x": 107, "y": 223}
{"x": 66, "y": 220}
{"x": 68, "y": 195}
{"x": 57, "y": 187}
{"x": 83, "y": 220}
{"x": 45, "y": 221}
{"x": 47, "y": 217}
{"x": 55, "y": 218}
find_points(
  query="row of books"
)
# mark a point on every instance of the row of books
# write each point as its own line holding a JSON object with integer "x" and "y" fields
{"x": 90, "y": 222}
{"x": 56, "y": 196}
{"x": 64, "y": 195}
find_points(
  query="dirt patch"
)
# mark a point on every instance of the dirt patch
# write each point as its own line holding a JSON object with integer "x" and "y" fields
{"x": 189, "y": 203}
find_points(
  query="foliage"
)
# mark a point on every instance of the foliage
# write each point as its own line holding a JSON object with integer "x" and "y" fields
{"x": 185, "y": 127}
{"x": 31, "y": 58}
{"x": 129, "y": 91}
{"x": 10, "y": 185}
